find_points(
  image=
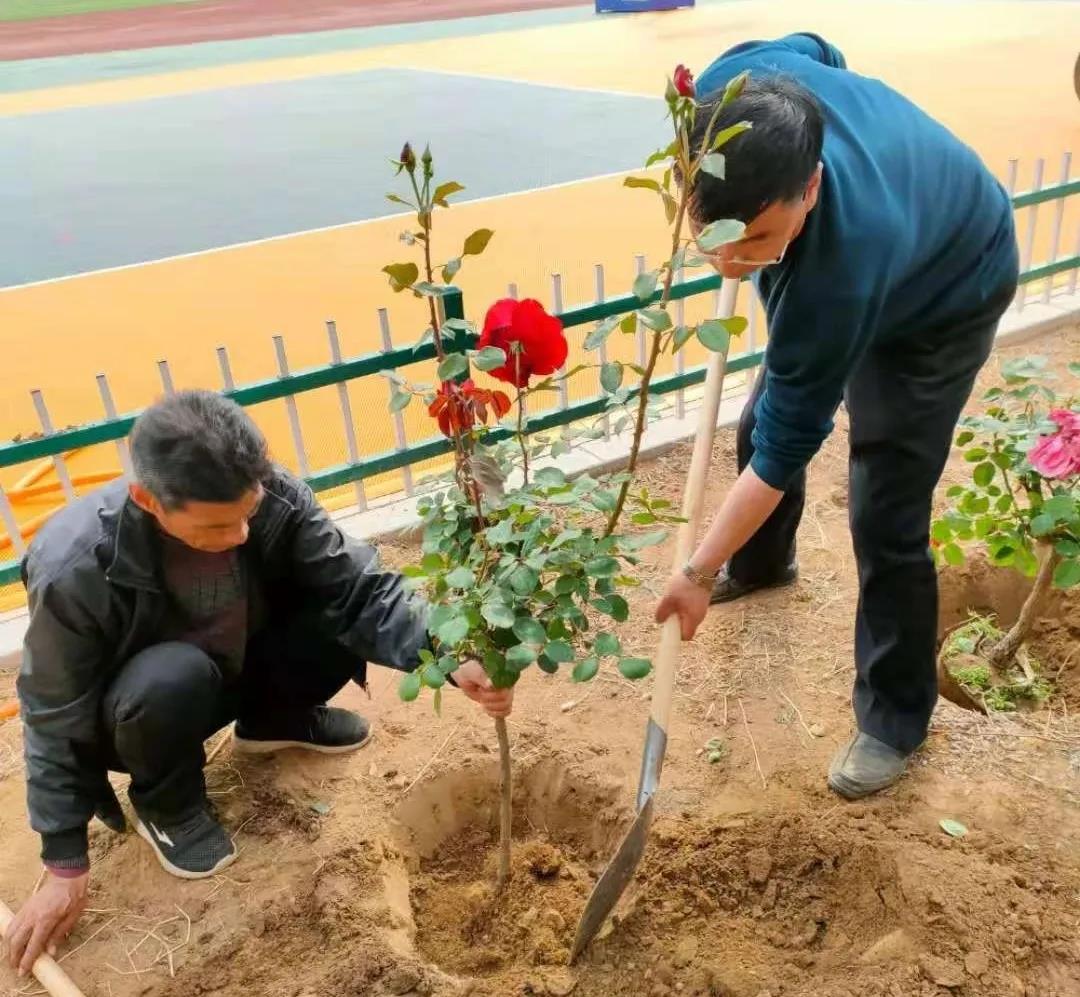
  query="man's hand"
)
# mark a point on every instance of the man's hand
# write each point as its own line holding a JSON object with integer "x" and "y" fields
{"x": 688, "y": 601}
{"x": 45, "y": 920}
{"x": 473, "y": 681}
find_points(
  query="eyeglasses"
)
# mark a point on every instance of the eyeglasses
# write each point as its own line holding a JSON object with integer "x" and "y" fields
{"x": 741, "y": 261}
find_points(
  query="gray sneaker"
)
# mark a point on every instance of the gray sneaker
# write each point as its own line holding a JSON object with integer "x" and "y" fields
{"x": 196, "y": 848}
{"x": 865, "y": 765}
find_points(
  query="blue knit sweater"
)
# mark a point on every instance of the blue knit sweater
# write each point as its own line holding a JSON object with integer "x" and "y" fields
{"x": 910, "y": 232}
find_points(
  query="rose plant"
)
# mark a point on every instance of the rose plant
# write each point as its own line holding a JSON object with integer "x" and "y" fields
{"x": 1022, "y": 507}
{"x": 522, "y": 568}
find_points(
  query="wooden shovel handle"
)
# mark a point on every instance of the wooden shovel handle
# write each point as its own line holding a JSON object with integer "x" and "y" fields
{"x": 46, "y": 968}
{"x": 666, "y": 661}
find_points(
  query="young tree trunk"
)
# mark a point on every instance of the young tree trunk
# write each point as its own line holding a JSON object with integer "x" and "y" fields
{"x": 505, "y": 808}
{"x": 1002, "y": 654}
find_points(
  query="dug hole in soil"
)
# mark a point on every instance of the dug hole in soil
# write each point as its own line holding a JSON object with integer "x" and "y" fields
{"x": 372, "y": 874}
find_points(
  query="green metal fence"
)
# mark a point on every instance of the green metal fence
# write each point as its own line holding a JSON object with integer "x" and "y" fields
{"x": 54, "y": 444}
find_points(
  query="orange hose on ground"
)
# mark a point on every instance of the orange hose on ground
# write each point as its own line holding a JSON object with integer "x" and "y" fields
{"x": 9, "y": 709}
{"x": 27, "y": 529}
{"x": 17, "y": 495}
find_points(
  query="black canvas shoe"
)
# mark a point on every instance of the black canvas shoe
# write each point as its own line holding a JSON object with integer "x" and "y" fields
{"x": 328, "y": 729}
{"x": 195, "y": 848}
{"x": 728, "y": 589}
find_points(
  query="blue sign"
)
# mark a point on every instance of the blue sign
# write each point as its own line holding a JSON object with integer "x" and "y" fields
{"x": 638, "y": 6}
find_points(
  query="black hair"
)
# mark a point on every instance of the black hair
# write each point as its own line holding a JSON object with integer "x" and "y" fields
{"x": 198, "y": 446}
{"x": 772, "y": 161}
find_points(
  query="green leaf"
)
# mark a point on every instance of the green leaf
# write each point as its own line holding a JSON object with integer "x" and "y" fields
{"x": 552, "y": 477}
{"x": 426, "y": 288}
{"x": 661, "y": 154}
{"x": 402, "y": 275}
{"x": 521, "y": 656}
{"x": 714, "y": 336}
{"x": 489, "y": 358}
{"x": 395, "y": 199}
{"x": 725, "y": 135}
{"x": 585, "y": 670}
{"x": 635, "y": 668}
{"x": 498, "y": 614}
{"x": 964, "y": 438}
{"x": 713, "y": 164}
{"x": 524, "y": 580}
{"x": 1067, "y": 548}
{"x": 454, "y": 365}
{"x": 1060, "y": 507}
{"x": 644, "y": 182}
{"x": 409, "y": 686}
{"x": 461, "y": 578}
{"x": 952, "y": 554}
{"x": 602, "y": 567}
{"x": 547, "y": 665}
{"x": 432, "y": 677}
{"x": 671, "y": 206}
{"x": 445, "y": 190}
{"x": 450, "y": 271}
{"x": 603, "y": 500}
{"x": 983, "y": 474}
{"x": 953, "y": 828}
{"x": 1041, "y": 525}
{"x": 645, "y": 284}
{"x": 682, "y": 335}
{"x": 735, "y": 87}
{"x": 436, "y": 702}
{"x": 606, "y": 644}
{"x": 399, "y": 400}
{"x": 614, "y": 606}
{"x": 1067, "y": 574}
{"x": 598, "y": 335}
{"x": 941, "y": 532}
{"x": 559, "y": 652}
{"x": 976, "y": 454}
{"x": 642, "y": 540}
{"x": 529, "y": 631}
{"x": 720, "y": 233}
{"x": 453, "y": 631}
{"x": 611, "y": 375}
{"x": 656, "y": 319}
{"x": 477, "y": 242}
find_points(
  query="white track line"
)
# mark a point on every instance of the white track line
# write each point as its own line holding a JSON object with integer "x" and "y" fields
{"x": 527, "y": 83}
{"x": 310, "y": 231}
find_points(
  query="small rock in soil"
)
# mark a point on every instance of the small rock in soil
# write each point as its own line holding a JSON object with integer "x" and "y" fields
{"x": 770, "y": 895}
{"x": 685, "y": 952}
{"x": 976, "y": 963}
{"x": 401, "y": 980}
{"x": 943, "y": 972}
{"x": 893, "y": 946}
{"x": 759, "y": 865}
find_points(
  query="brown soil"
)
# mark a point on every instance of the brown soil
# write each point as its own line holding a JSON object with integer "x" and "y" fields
{"x": 370, "y": 875}
{"x": 214, "y": 20}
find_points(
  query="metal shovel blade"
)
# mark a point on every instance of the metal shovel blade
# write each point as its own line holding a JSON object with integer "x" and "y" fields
{"x": 609, "y": 887}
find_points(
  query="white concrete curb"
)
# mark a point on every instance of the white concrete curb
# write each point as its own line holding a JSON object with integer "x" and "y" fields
{"x": 397, "y": 516}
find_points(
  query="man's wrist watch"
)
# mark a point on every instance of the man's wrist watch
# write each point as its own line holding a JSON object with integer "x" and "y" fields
{"x": 702, "y": 579}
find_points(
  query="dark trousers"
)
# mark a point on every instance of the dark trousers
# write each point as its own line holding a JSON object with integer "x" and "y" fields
{"x": 904, "y": 400}
{"x": 170, "y": 697}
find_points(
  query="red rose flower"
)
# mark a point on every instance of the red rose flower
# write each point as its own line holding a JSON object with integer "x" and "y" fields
{"x": 532, "y": 339}
{"x": 458, "y": 407}
{"x": 684, "y": 81}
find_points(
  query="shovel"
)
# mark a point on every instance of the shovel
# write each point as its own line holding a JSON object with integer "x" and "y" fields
{"x": 609, "y": 887}
{"x": 47, "y": 970}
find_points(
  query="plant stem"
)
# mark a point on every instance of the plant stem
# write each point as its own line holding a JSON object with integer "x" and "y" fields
{"x": 646, "y": 380}
{"x": 521, "y": 420}
{"x": 424, "y": 212}
{"x": 506, "y": 802}
{"x": 1001, "y": 655}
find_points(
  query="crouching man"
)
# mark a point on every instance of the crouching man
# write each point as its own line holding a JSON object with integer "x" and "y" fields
{"x": 214, "y": 588}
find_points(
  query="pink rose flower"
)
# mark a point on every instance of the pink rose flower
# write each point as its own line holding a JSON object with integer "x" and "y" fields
{"x": 1058, "y": 455}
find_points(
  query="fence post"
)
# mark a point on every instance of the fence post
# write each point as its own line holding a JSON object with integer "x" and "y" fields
{"x": 451, "y": 305}
{"x": 400, "y": 436}
{"x": 345, "y": 405}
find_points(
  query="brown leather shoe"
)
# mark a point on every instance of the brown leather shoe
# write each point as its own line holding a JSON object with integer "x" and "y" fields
{"x": 728, "y": 589}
